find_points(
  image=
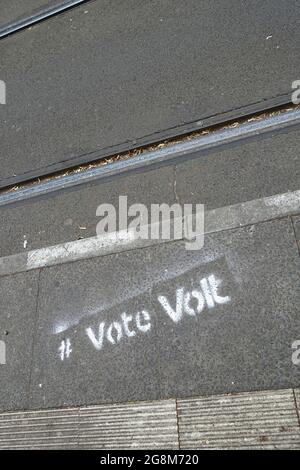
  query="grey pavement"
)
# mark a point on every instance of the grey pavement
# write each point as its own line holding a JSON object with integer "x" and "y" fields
{"x": 221, "y": 219}
{"x": 251, "y": 170}
{"x": 246, "y": 344}
{"x": 130, "y": 426}
{"x": 164, "y": 322}
{"x": 241, "y": 173}
{"x": 155, "y": 322}
{"x": 70, "y": 215}
{"x": 85, "y": 83}
{"x": 17, "y": 325}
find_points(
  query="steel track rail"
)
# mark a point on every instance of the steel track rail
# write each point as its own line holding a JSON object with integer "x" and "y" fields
{"x": 168, "y": 153}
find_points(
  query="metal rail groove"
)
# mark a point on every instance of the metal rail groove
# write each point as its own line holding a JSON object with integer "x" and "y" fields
{"x": 146, "y": 159}
{"x": 43, "y": 14}
{"x": 249, "y": 420}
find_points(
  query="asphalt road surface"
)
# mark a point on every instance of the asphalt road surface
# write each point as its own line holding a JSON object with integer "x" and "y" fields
{"x": 95, "y": 79}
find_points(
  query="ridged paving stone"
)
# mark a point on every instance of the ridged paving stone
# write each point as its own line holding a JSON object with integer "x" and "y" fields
{"x": 263, "y": 420}
{"x": 146, "y": 425}
{"x": 39, "y": 429}
{"x": 143, "y": 425}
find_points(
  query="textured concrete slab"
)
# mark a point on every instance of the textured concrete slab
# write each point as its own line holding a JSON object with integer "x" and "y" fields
{"x": 241, "y": 173}
{"x": 245, "y": 341}
{"x": 145, "y": 425}
{"x": 257, "y": 420}
{"x": 98, "y": 344}
{"x": 18, "y": 296}
{"x": 50, "y": 429}
{"x": 163, "y": 322}
{"x": 71, "y": 215}
{"x": 260, "y": 420}
{"x": 151, "y": 425}
{"x": 138, "y": 91}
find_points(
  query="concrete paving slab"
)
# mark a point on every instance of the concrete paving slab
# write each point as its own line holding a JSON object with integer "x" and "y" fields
{"x": 49, "y": 429}
{"x": 245, "y": 341}
{"x": 17, "y": 323}
{"x": 148, "y": 425}
{"x": 241, "y": 173}
{"x": 138, "y": 91}
{"x": 69, "y": 215}
{"x": 218, "y": 320}
{"x": 222, "y": 219}
{"x": 143, "y": 425}
{"x": 258, "y": 420}
{"x": 100, "y": 339}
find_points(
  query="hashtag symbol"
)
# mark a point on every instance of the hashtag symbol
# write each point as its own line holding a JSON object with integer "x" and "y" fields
{"x": 65, "y": 349}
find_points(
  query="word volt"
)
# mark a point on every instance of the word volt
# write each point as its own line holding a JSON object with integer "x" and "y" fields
{"x": 207, "y": 296}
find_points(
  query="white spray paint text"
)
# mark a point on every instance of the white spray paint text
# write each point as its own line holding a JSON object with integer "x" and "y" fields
{"x": 188, "y": 303}
{"x": 207, "y": 296}
{"x": 118, "y": 329}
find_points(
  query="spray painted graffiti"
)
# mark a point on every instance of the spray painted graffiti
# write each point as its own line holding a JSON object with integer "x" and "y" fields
{"x": 207, "y": 296}
{"x": 2, "y": 352}
{"x": 120, "y": 329}
{"x": 2, "y": 92}
{"x": 296, "y": 353}
{"x": 186, "y": 302}
{"x": 65, "y": 349}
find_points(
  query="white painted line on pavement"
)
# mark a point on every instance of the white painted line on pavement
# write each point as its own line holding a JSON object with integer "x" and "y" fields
{"x": 216, "y": 220}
